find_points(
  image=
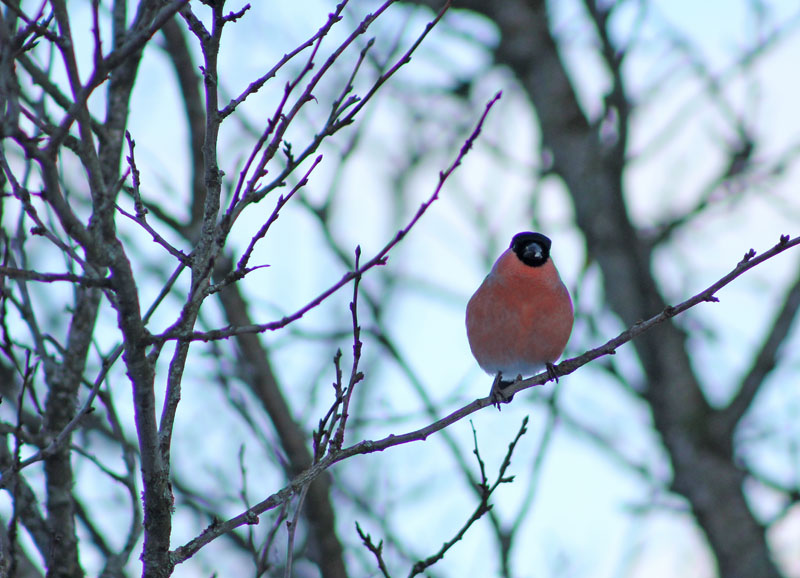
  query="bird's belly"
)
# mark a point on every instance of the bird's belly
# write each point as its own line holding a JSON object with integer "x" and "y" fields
{"x": 518, "y": 342}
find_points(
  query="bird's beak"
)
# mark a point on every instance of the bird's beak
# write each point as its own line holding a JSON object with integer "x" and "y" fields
{"x": 533, "y": 250}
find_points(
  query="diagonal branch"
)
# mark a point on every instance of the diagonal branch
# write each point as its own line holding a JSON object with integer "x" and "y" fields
{"x": 250, "y": 516}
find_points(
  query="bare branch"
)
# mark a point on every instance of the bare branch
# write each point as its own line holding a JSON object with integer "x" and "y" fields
{"x": 241, "y": 267}
{"x": 256, "y": 85}
{"x": 564, "y": 368}
{"x": 376, "y": 549}
{"x": 355, "y": 375}
{"x": 292, "y": 526}
{"x": 29, "y": 275}
{"x": 483, "y": 506}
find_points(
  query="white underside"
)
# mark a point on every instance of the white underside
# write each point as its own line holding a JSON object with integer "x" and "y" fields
{"x": 512, "y": 370}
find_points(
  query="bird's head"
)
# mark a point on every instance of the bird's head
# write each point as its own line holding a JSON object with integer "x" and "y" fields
{"x": 533, "y": 249}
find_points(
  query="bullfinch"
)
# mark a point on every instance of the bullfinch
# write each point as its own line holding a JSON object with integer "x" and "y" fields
{"x": 520, "y": 318}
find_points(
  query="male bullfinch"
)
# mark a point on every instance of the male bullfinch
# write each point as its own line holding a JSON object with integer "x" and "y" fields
{"x": 520, "y": 318}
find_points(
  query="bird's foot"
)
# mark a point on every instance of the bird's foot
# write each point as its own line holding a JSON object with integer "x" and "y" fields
{"x": 551, "y": 371}
{"x": 497, "y": 394}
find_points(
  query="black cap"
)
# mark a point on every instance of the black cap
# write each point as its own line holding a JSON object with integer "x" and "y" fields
{"x": 532, "y": 248}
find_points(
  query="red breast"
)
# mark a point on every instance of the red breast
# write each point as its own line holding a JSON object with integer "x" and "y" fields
{"x": 520, "y": 318}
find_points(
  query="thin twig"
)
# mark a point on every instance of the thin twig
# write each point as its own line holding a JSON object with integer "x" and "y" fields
{"x": 322, "y": 436}
{"x": 241, "y": 267}
{"x": 376, "y": 549}
{"x": 483, "y": 506}
{"x": 334, "y": 17}
{"x": 355, "y": 375}
{"x": 29, "y": 275}
{"x": 140, "y": 220}
{"x": 292, "y": 526}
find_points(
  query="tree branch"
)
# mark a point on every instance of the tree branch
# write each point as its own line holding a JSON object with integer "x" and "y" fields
{"x": 483, "y": 506}
{"x": 29, "y": 275}
{"x": 250, "y": 516}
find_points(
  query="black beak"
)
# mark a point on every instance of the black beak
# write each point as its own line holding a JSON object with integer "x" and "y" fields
{"x": 533, "y": 251}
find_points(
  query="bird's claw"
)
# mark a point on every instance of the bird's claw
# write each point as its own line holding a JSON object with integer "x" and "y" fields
{"x": 551, "y": 371}
{"x": 496, "y": 393}
{"x": 498, "y": 385}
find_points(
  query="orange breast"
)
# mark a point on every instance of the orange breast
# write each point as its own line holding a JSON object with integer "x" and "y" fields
{"x": 519, "y": 318}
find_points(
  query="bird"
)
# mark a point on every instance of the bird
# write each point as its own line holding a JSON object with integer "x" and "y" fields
{"x": 520, "y": 318}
